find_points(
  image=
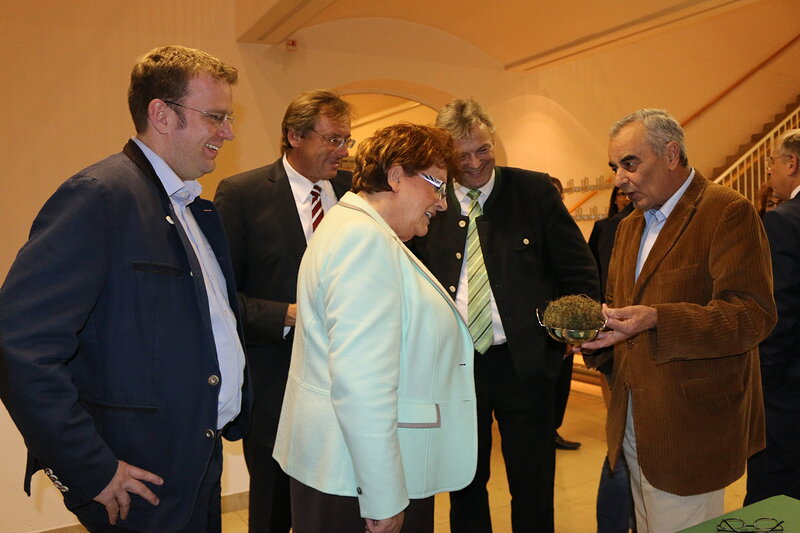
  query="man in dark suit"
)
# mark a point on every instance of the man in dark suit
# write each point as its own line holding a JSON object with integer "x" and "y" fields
{"x": 121, "y": 360}
{"x": 776, "y": 469}
{"x": 532, "y": 252}
{"x": 269, "y": 215}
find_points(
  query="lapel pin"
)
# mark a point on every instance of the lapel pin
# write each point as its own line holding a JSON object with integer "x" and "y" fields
{"x": 169, "y": 219}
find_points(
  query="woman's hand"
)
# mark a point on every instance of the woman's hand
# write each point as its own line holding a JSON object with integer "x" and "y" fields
{"x": 393, "y": 524}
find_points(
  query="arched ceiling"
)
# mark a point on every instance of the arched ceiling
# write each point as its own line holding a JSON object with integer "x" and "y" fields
{"x": 521, "y": 35}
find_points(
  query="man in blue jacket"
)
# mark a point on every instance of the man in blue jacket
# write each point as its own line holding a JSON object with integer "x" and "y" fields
{"x": 121, "y": 358}
{"x": 776, "y": 469}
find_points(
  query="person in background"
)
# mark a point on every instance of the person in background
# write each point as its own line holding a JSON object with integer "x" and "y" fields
{"x": 776, "y": 469}
{"x": 270, "y": 214}
{"x": 766, "y": 199}
{"x": 565, "y": 377}
{"x": 379, "y": 412}
{"x": 614, "y": 508}
{"x": 121, "y": 359}
{"x": 601, "y": 240}
{"x": 689, "y": 298}
{"x": 506, "y": 246}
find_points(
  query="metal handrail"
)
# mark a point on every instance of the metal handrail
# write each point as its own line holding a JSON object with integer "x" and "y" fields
{"x": 748, "y": 173}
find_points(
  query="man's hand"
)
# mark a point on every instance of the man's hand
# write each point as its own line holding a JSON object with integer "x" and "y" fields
{"x": 128, "y": 478}
{"x": 291, "y": 315}
{"x": 624, "y": 322}
{"x": 387, "y": 525}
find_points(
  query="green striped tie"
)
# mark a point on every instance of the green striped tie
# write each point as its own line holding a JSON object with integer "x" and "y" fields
{"x": 479, "y": 309}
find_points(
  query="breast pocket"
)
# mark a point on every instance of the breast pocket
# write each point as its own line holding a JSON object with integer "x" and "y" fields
{"x": 684, "y": 284}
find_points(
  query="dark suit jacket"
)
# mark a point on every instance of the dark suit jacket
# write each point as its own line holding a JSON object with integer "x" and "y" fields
{"x": 534, "y": 253}
{"x": 695, "y": 378}
{"x": 601, "y": 242}
{"x": 267, "y": 242}
{"x": 780, "y": 352}
{"x": 107, "y": 346}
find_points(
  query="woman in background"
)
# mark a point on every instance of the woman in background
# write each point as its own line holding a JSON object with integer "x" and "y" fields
{"x": 767, "y": 201}
{"x": 379, "y": 412}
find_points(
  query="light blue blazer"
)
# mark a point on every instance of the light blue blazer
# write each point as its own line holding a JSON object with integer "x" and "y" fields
{"x": 380, "y": 401}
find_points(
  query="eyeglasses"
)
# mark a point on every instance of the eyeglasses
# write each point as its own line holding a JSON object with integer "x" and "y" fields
{"x": 771, "y": 160}
{"x": 439, "y": 185}
{"x": 217, "y": 118}
{"x": 762, "y": 525}
{"x": 337, "y": 142}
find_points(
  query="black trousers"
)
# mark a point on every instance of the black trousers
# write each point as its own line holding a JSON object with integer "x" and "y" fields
{"x": 269, "y": 504}
{"x": 316, "y": 512}
{"x": 524, "y": 416}
{"x": 562, "y": 389}
{"x": 207, "y": 514}
{"x": 776, "y": 469}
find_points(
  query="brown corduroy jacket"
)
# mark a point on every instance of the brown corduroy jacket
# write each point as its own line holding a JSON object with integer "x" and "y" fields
{"x": 694, "y": 379}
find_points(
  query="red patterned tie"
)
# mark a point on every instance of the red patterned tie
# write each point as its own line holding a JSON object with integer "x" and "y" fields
{"x": 316, "y": 207}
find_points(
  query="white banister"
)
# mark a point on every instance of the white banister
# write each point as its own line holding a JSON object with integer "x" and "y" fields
{"x": 749, "y": 172}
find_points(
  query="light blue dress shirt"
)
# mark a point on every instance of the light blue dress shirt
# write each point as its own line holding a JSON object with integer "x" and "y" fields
{"x": 654, "y": 221}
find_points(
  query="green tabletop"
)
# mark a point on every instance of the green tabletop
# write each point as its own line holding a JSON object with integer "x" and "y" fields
{"x": 780, "y": 507}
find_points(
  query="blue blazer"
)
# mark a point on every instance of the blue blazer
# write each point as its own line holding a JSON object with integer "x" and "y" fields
{"x": 780, "y": 352}
{"x": 107, "y": 348}
{"x": 380, "y": 401}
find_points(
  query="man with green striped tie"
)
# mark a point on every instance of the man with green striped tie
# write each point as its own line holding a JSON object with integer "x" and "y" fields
{"x": 505, "y": 246}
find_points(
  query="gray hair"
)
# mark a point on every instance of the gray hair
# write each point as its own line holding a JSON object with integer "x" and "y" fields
{"x": 660, "y": 127}
{"x": 790, "y": 142}
{"x": 461, "y": 115}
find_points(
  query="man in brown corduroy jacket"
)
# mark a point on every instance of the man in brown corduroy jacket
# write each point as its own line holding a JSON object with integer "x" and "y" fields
{"x": 689, "y": 298}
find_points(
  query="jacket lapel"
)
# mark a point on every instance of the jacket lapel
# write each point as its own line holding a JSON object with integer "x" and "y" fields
{"x": 285, "y": 210}
{"x": 420, "y": 266}
{"x": 670, "y": 233}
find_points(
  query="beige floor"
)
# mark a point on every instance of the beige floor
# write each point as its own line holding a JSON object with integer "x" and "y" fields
{"x": 577, "y": 474}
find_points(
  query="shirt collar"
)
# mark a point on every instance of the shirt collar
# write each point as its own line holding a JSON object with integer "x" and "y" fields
{"x": 795, "y": 192}
{"x": 486, "y": 190}
{"x": 300, "y": 185}
{"x": 665, "y": 210}
{"x": 183, "y": 192}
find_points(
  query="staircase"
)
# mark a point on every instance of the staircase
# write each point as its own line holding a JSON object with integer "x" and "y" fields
{"x": 747, "y": 171}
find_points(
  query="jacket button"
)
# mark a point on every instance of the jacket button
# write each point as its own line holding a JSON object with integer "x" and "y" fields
{"x": 48, "y": 472}
{"x": 458, "y": 255}
{"x": 630, "y": 343}
{"x": 63, "y": 488}
{"x": 461, "y": 223}
{"x": 213, "y": 380}
{"x": 451, "y": 288}
{"x": 210, "y": 433}
{"x": 526, "y": 242}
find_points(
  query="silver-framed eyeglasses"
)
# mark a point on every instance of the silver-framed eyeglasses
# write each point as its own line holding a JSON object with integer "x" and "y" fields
{"x": 217, "y": 118}
{"x": 439, "y": 185}
{"x": 762, "y": 525}
{"x": 337, "y": 142}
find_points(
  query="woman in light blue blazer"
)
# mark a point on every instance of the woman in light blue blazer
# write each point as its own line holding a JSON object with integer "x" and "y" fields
{"x": 379, "y": 411}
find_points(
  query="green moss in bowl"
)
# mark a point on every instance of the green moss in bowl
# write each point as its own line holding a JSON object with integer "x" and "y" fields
{"x": 575, "y": 311}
